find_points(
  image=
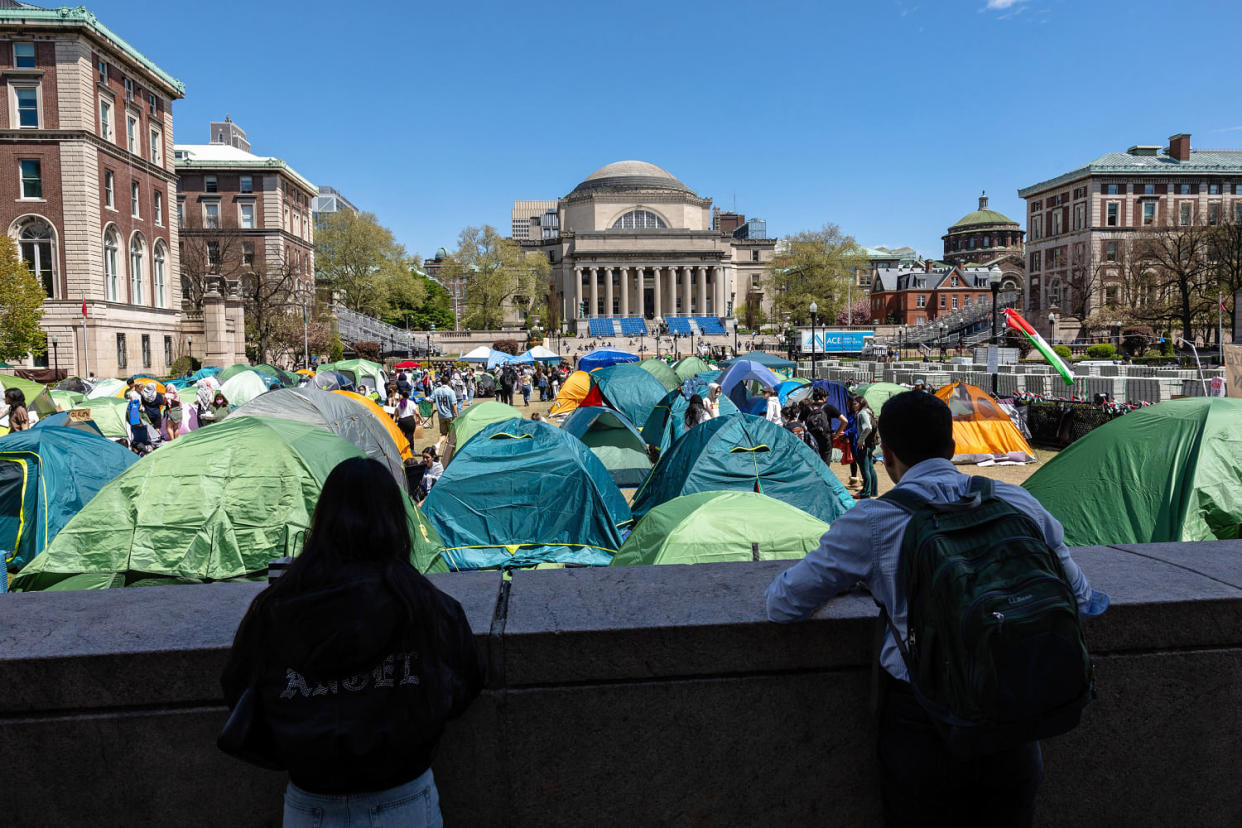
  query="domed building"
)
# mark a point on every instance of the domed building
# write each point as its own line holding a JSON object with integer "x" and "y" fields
{"x": 986, "y": 237}
{"x": 636, "y": 246}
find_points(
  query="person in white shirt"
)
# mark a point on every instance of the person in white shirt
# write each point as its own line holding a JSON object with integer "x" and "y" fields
{"x": 773, "y": 414}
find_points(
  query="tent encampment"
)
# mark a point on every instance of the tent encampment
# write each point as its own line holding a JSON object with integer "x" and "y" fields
{"x": 389, "y": 424}
{"x": 472, "y": 420}
{"x": 243, "y": 387}
{"x": 715, "y": 526}
{"x": 522, "y": 493}
{"x": 47, "y": 474}
{"x": 226, "y": 374}
{"x": 479, "y": 354}
{"x": 687, "y": 367}
{"x": 341, "y": 415}
{"x": 109, "y": 414}
{"x": 878, "y": 393}
{"x": 66, "y": 400}
{"x": 629, "y": 389}
{"x": 359, "y": 372}
{"x": 659, "y": 369}
{"x": 779, "y": 365}
{"x": 603, "y": 357}
{"x": 740, "y": 452}
{"x": 248, "y": 499}
{"x": 63, "y": 419}
{"x": 106, "y": 387}
{"x": 667, "y": 421}
{"x": 614, "y": 440}
{"x": 737, "y": 379}
{"x": 1170, "y": 472}
{"x": 981, "y": 430}
{"x": 579, "y": 390}
{"x": 279, "y": 374}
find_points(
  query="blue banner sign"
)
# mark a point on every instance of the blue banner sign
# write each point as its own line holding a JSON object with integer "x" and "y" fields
{"x": 835, "y": 342}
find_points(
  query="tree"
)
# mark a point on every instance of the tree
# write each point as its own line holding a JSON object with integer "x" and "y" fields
{"x": 21, "y": 305}
{"x": 497, "y": 273}
{"x": 270, "y": 291}
{"x": 817, "y": 267}
{"x": 407, "y": 310}
{"x": 290, "y": 336}
{"x": 210, "y": 255}
{"x": 1227, "y": 262}
{"x": 359, "y": 260}
{"x": 1179, "y": 257}
{"x": 752, "y": 315}
{"x": 858, "y": 313}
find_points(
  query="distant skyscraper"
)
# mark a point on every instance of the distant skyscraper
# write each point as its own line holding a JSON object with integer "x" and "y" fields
{"x": 330, "y": 200}
{"x": 526, "y": 214}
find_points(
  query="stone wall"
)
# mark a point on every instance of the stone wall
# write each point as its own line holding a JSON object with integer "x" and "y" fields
{"x": 636, "y": 696}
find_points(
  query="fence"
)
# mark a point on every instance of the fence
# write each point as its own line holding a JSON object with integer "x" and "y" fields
{"x": 1057, "y": 424}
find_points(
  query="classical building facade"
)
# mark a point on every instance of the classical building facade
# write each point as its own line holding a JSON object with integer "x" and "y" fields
{"x": 1081, "y": 223}
{"x": 637, "y": 243}
{"x": 86, "y": 139}
{"x": 991, "y": 240}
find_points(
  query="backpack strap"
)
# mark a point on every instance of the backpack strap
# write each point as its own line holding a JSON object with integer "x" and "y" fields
{"x": 904, "y": 499}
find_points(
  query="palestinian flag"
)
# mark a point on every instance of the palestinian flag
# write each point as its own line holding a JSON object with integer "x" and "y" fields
{"x": 1014, "y": 320}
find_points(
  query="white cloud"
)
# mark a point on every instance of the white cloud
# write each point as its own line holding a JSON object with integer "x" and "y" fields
{"x": 1001, "y": 5}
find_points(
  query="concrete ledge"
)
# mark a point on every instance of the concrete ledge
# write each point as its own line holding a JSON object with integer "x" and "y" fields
{"x": 644, "y": 695}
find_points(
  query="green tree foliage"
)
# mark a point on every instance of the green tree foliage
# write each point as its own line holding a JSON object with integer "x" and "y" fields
{"x": 358, "y": 259}
{"x": 21, "y": 306}
{"x": 429, "y": 304}
{"x": 815, "y": 268}
{"x": 498, "y": 274}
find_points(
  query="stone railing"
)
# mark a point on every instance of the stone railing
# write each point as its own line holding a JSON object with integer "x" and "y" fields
{"x": 627, "y": 696}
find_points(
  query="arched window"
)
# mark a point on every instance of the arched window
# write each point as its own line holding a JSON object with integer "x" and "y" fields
{"x": 35, "y": 242}
{"x": 158, "y": 276}
{"x": 112, "y": 279}
{"x": 639, "y": 220}
{"x": 136, "y": 255}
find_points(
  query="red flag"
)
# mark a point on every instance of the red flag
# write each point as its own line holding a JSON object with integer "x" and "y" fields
{"x": 1222, "y": 306}
{"x": 83, "y": 308}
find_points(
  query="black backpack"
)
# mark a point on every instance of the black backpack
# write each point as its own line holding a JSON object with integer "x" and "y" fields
{"x": 993, "y": 642}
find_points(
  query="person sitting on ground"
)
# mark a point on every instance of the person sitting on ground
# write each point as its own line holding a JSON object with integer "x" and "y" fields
{"x": 353, "y": 663}
{"x": 696, "y": 413}
{"x": 537, "y": 417}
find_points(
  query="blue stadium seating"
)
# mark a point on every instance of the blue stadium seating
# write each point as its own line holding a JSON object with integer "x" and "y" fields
{"x": 710, "y": 325}
{"x": 679, "y": 325}
{"x": 601, "y": 327}
{"x": 633, "y": 326}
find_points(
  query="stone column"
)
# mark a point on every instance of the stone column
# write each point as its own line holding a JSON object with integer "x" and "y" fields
{"x": 659, "y": 303}
{"x": 577, "y": 291}
{"x": 685, "y": 290}
{"x": 701, "y": 290}
{"x": 638, "y": 287}
{"x": 593, "y": 308}
{"x": 608, "y": 272}
{"x": 670, "y": 295}
{"x": 625, "y": 290}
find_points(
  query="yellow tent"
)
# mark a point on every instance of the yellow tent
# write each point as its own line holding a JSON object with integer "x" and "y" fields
{"x": 981, "y": 429}
{"x": 389, "y": 425}
{"x": 578, "y": 386}
{"x": 141, "y": 380}
{"x": 305, "y": 372}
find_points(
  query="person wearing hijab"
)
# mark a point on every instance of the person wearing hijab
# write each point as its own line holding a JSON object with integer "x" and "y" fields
{"x": 220, "y": 407}
{"x": 152, "y": 405}
{"x": 711, "y": 404}
{"x": 696, "y": 412}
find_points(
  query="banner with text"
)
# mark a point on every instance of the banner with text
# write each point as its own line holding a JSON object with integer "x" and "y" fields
{"x": 836, "y": 342}
{"x": 1233, "y": 370}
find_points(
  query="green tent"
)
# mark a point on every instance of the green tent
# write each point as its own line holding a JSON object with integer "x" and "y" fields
{"x": 109, "y": 414}
{"x": 66, "y": 400}
{"x": 359, "y": 371}
{"x": 474, "y": 419}
{"x": 106, "y": 387}
{"x": 659, "y": 369}
{"x": 1170, "y": 472}
{"x": 218, "y": 504}
{"x": 630, "y": 389}
{"x": 523, "y": 493}
{"x": 30, "y": 389}
{"x": 877, "y": 393}
{"x": 614, "y": 440}
{"x": 232, "y": 371}
{"x": 47, "y": 474}
{"x": 690, "y": 366}
{"x": 279, "y": 374}
{"x": 667, "y": 421}
{"x": 243, "y": 387}
{"x": 741, "y": 452}
{"x": 710, "y": 527}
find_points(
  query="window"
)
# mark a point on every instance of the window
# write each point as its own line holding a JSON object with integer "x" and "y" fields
{"x": 1214, "y": 213}
{"x": 954, "y": 303}
{"x": 1185, "y": 212}
{"x": 1149, "y": 189}
{"x": 1113, "y": 189}
{"x": 639, "y": 220}
{"x": 246, "y": 216}
{"x": 112, "y": 285}
{"x": 180, "y": 212}
{"x": 32, "y": 178}
{"x": 1183, "y": 189}
{"x": 1080, "y": 192}
{"x": 213, "y": 253}
{"x": 942, "y": 300}
{"x": 105, "y": 120}
{"x": 971, "y": 243}
{"x": 159, "y": 276}
{"x": 211, "y": 216}
{"x": 210, "y": 185}
{"x": 121, "y": 359}
{"x": 1080, "y": 216}
{"x": 152, "y": 107}
{"x": 247, "y": 184}
{"x": 1213, "y": 189}
{"x": 1237, "y": 212}
{"x": 146, "y": 350}
{"x": 23, "y": 55}
{"x": 1113, "y": 209}
{"x": 35, "y": 242}
{"x": 155, "y": 146}
{"x": 1149, "y": 212}
{"x": 1036, "y": 206}
{"x": 1110, "y": 251}
{"x": 133, "y": 199}
{"x": 1037, "y": 227}
{"x": 987, "y": 241}
{"x": 129, "y": 89}
{"x": 248, "y": 254}
{"x": 135, "y": 271}
{"x": 131, "y": 133}
{"x": 27, "y": 106}
{"x": 159, "y": 208}
{"x": 102, "y": 68}
{"x": 921, "y": 301}
{"x": 1056, "y": 222}
{"x": 167, "y": 351}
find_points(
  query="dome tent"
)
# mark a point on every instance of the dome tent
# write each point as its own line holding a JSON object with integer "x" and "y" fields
{"x": 614, "y": 440}
{"x": 667, "y": 421}
{"x": 579, "y": 390}
{"x": 389, "y": 424}
{"x": 1167, "y": 473}
{"x": 109, "y": 416}
{"x": 603, "y": 357}
{"x": 878, "y": 393}
{"x": 741, "y": 452}
{"x": 243, "y": 387}
{"x": 740, "y": 374}
{"x": 358, "y": 372}
{"x": 710, "y": 527}
{"x": 474, "y": 419}
{"x": 981, "y": 429}
{"x": 522, "y": 493}
{"x": 687, "y": 367}
{"x": 659, "y": 369}
{"x": 630, "y": 390}
{"x": 216, "y": 505}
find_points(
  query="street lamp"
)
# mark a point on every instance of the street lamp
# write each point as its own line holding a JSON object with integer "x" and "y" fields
{"x": 55, "y": 360}
{"x": 994, "y": 282}
{"x": 901, "y": 342}
{"x": 189, "y": 344}
{"x": 431, "y": 327}
{"x": 814, "y": 314}
{"x": 1117, "y": 325}
{"x": 1052, "y": 326}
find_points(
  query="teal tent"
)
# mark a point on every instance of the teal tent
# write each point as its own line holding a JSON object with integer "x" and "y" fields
{"x": 741, "y": 452}
{"x": 629, "y": 389}
{"x": 659, "y": 369}
{"x": 688, "y": 367}
{"x": 614, "y": 440}
{"x": 667, "y": 421}
{"x": 522, "y": 493}
{"x": 770, "y": 361}
{"x": 47, "y": 474}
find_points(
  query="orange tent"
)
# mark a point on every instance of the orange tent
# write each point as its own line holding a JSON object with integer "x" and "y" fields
{"x": 981, "y": 429}
{"x": 579, "y": 390}
{"x": 395, "y": 433}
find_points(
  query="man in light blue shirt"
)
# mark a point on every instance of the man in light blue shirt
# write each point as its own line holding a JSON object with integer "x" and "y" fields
{"x": 446, "y": 407}
{"x": 923, "y": 783}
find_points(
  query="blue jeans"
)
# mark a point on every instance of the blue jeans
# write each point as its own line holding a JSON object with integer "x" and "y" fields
{"x": 416, "y": 803}
{"x": 867, "y": 466}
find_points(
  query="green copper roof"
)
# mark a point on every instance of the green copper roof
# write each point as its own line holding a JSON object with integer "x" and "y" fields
{"x": 981, "y": 217}
{"x": 79, "y": 17}
{"x": 1123, "y": 163}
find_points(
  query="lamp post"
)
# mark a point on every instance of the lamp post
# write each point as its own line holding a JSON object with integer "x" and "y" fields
{"x": 189, "y": 344}
{"x": 55, "y": 360}
{"x": 1052, "y": 326}
{"x": 940, "y": 340}
{"x": 1117, "y": 325}
{"x": 994, "y": 282}
{"x": 901, "y": 342}
{"x": 431, "y": 327}
{"x": 814, "y": 314}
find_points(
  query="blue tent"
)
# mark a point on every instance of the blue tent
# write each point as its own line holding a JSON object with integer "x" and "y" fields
{"x": 630, "y": 389}
{"x": 837, "y": 393}
{"x": 522, "y": 493}
{"x": 203, "y": 373}
{"x": 61, "y": 420}
{"x": 496, "y": 358}
{"x": 740, "y": 452}
{"x": 603, "y": 357}
{"x": 667, "y": 421}
{"x": 733, "y": 384}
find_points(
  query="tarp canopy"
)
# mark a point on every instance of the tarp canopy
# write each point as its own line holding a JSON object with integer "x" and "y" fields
{"x": 109, "y": 414}
{"x": 763, "y": 358}
{"x": 603, "y": 357}
{"x": 667, "y": 421}
{"x": 359, "y": 372}
{"x": 342, "y": 416}
{"x": 398, "y": 437}
{"x": 981, "y": 430}
{"x": 711, "y": 527}
{"x": 614, "y": 440}
{"x": 740, "y": 452}
{"x": 243, "y": 387}
{"x": 498, "y": 358}
{"x": 659, "y": 369}
{"x": 689, "y": 366}
{"x": 629, "y": 389}
{"x": 523, "y": 493}
{"x": 106, "y": 387}
{"x": 579, "y": 390}
{"x": 248, "y": 499}
{"x": 47, "y": 474}
{"x": 736, "y": 379}
{"x": 1170, "y": 472}
{"x": 472, "y": 420}
{"x": 540, "y": 354}
{"x": 479, "y": 354}
{"x": 878, "y": 393}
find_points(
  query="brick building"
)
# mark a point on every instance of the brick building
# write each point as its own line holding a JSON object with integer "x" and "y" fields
{"x": 931, "y": 292}
{"x": 87, "y": 141}
{"x": 989, "y": 239}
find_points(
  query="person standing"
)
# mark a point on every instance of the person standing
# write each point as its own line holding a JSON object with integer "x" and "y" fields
{"x": 446, "y": 408}
{"x": 471, "y": 385}
{"x": 172, "y": 420}
{"x": 19, "y": 418}
{"x": 527, "y": 376}
{"x": 406, "y": 415}
{"x": 868, "y": 434}
{"x": 824, "y": 421}
{"x": 773, "y": 411}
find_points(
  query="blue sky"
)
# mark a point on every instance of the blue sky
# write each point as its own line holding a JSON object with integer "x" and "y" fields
{"x": 886, "y": 117}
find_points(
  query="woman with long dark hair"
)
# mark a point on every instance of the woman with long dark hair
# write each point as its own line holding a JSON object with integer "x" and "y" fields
{"x": 696, "y": 412}
{"x": 352, "y": 662}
